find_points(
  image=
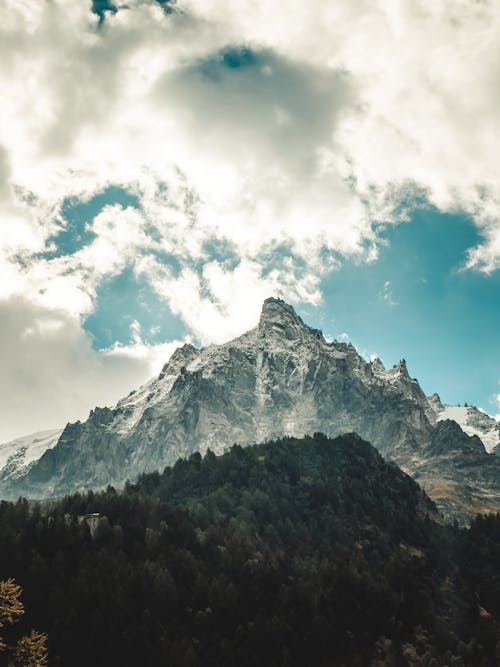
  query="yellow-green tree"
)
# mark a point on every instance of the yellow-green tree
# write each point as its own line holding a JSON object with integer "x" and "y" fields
{"x": 30, "y": 650}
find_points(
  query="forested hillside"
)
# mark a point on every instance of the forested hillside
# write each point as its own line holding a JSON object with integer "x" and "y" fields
{"x": 295, "y": 553}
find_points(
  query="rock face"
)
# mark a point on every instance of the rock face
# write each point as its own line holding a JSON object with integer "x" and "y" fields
{"x": 457, "y": 472}
{"x": 280, "y": 378}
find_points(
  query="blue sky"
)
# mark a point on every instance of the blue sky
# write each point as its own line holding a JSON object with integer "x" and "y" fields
{"x": 440, "y": 317}
{"x": 165, "y": 166}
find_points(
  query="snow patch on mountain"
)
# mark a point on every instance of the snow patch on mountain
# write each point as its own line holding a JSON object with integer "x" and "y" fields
{"x": 16, "y": 456}
{"x": 473, "y": 422}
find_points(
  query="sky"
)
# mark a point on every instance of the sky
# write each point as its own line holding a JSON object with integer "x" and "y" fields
{"x": 166, "y": 166}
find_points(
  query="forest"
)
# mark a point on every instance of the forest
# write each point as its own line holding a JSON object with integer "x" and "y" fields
{"x": 294, "y": 553}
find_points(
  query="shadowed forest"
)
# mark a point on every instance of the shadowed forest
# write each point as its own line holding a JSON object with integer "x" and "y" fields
{"x": 298, "y": 552}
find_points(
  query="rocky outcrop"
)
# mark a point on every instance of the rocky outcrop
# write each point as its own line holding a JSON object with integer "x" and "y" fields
{"x": 472, "y": 421}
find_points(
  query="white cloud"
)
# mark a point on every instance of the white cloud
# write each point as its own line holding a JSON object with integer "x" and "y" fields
{"x": 323, "y": 128}
{"x": 425, "y": 75}
{"x": 51, "y": 374}
{"x": 222, "y": 303}
{"x": 386, "y": 294}
{"x": 248, "y": 144}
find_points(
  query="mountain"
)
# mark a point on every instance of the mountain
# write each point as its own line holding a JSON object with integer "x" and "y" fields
{"x": 280, "y": 378}
{"x": 471, "y": 420}
{"x": 18, "y": 455}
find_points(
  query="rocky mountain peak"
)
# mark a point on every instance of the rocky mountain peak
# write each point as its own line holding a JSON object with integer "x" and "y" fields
{"x": 181, "y": 357}
{"x": 402, "y": 369}
{"x": 435, "y": 402}
{"x": 279, "y": 317}
{"x": 377, "y": 365}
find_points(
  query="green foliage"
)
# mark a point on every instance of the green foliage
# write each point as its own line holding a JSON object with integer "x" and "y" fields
{"x": 309, "y": 552}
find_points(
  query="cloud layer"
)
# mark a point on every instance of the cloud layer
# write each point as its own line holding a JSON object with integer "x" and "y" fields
{"x": 51, "y": 374}
{"x": 262, "y": 146}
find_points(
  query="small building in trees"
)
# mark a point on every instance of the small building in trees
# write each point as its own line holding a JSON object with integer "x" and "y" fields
{"x": 91, "y": 520}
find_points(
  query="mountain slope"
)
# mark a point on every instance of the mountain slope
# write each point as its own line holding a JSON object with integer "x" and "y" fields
{"x": 17, "y": 455}
{"x": 281, "y": 378}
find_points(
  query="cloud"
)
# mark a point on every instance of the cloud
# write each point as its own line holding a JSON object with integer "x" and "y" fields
{"x": 51, "y": 374}
{"x": 302, "y": 126}
{"x": 425, "y": 113}
{"x": 387, "y": 295}
{"x": 241, "y": 131}
{"x": 222, "y": 303}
